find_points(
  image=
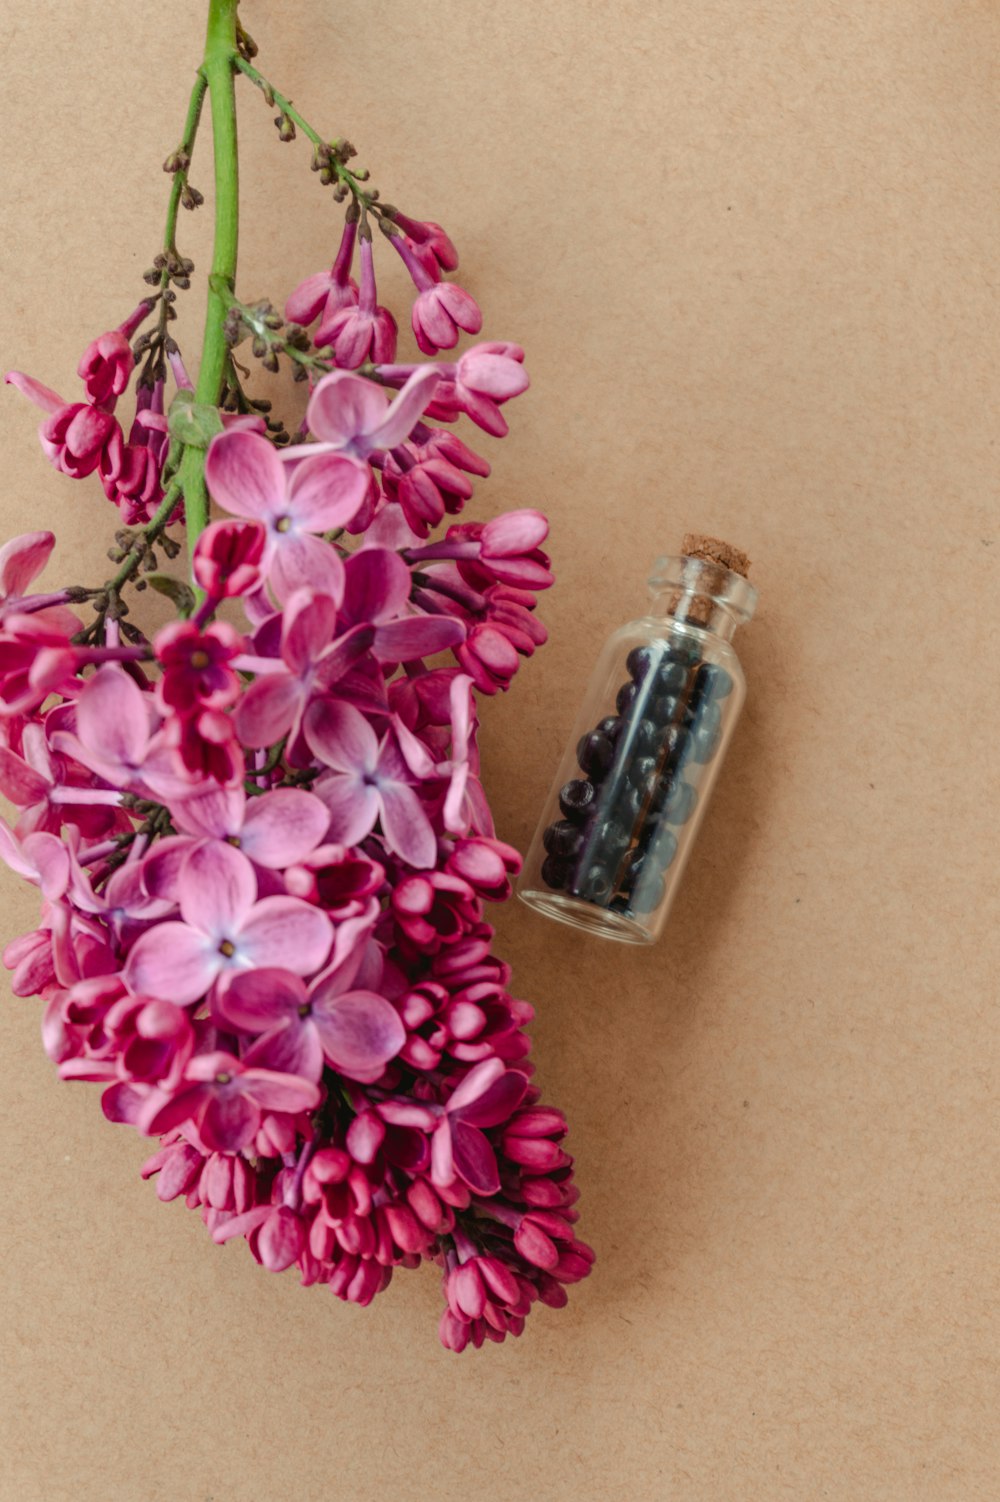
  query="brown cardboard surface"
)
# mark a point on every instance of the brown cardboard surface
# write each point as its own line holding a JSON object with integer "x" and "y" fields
{"x": 751, "y": 252}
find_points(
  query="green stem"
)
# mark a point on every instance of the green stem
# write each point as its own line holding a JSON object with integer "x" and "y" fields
{"x": 285, "y": 105}
{"x": 186, "y": 146}
{"x": 218, "y": 72}
{"x": 351, "y": 180}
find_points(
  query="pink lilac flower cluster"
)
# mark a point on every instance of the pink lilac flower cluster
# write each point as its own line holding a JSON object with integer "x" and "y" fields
{"x": 264, "y": 852}
{"x": 83, "y": 436}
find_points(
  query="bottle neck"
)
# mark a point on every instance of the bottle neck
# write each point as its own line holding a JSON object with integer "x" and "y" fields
{"x": 701, "y": 593}
{"x": 688, "y": 608}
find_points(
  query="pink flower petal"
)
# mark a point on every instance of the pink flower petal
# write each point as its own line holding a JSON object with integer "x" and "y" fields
{"x": 217, "y": 889}
{"x": 287, "y": 933}
{"x": 245, "y": 476}
{"x": 360, "y": 1031}
{"x": 112, "y": 717}
{"x": 267, "y": 709}
{"x": 417, "y": 636}
{"x": 217, "y": 814}
{"x": 339, "y": 658}
{"x": 281, "y": 1239}
{"x": 340, "y": 737}
{"x": 20, "y": 783}
{"x": 22, "y": 560}
{"x": 494, "y": 375}
{"x": 351, "y": 804}
{"x": 406, "y": 410}
{"x": 172, "y": 961}
{"x": 307, "y": 300}
{"x": 42, "y": 396}
{"x": 280, "y": 1092}
{"x": 301, "y": 561}
{"x": 515, "y": 532}
{"x": 257, "y": 1000}
{"x": 474, "y": 1159}
{"x": 408, "y": 831}
{"x": 497, "y": 1102}
{"x": 293, "y": 1047}
{"x": 282, "y": 827}
{"x": 377, "y": 585}
{"x": 309, "y": 624}
{"x": 229, "y": 1121}
{"x": 239, "y": 1225}
{"x": 162, "y": 1112}
{"x": 344, "y": 406}
{"x": 327, "y": 491}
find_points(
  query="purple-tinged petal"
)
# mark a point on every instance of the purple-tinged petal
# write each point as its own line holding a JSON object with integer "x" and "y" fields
{"x": 281, "y": 1239}
{"x": 327, "y": 491}
{"x": 280, "y": 1092}
{"x": 416, "y": 636}
{"x": 301, "y": 561}
{"x": 308, "y": 299}
{"x": 245, "y": 476}
{"x": 351, "y": 804}
{"x": 112, "y": 717}
{"x": 287, "y": 933}
{"x": 495, "y": 1104}
{"x": 338, "y": 659}
{"x": 217, "y": 889}
{"x": 282, "y": 827}
{"x": 344, "y": 406}
{"x": 173, "y": 961}
{"x": 377, "y": 585}
{"x": 257, "y": 1000}
{"x": 229, "y": 1121}
{"x": 475, "y": 1083}
{"x": 360, "y": 1031}
{"x": 22, "y": 560}
{"x": 408, "y": 831}
{"x": 21, "y": 784}
{"x": 310, "y": 622}
{"x": 473, "y": 1158}
{"x": 216, "y": 815}
{"x": 240, "y": 1225}
{"x": 42, "y": 396}
{"x": 340, "y": 737}
{"x": 162, "y": 1112}
{"x": 267, "y": 709}
{"x": 293, "y": 1047}
{"x": 406, "y": 410}
{"x": 515, "y": 532}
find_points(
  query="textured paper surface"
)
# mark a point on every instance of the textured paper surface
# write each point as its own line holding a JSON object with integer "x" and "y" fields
{"x": 751, "y": 251}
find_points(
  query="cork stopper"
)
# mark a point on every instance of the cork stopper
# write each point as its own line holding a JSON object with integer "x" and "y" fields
{"x": 711, "y": 550}
{"x": 714, "y": 550}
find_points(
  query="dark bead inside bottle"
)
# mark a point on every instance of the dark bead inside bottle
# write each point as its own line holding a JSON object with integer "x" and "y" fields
{"x": 577, "y": 798}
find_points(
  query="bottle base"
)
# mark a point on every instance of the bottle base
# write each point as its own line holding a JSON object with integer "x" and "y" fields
{"x": 586, "y": 915}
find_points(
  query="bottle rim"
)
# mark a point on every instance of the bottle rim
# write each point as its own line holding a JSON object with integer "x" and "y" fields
{"x": 703, "y": 578}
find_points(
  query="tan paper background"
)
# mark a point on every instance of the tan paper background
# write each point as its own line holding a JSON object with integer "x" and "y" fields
{"x": 752, "y": 252}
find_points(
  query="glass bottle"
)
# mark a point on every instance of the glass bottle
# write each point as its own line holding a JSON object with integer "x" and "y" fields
{"x": 632, "y": 787}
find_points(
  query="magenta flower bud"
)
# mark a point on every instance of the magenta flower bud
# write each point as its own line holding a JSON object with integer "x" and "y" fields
{"x": 106, "y": 367}
{"x": 431, "y": 241}
{"x": 362, "y": 332}
{"x": 228, "y": 557}
{"x": 441, "y": 310}
{"x": 406, "y": 1231}
{"x": 326, "y": 292}
{"x": 365, "y": 1136}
